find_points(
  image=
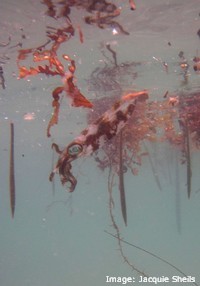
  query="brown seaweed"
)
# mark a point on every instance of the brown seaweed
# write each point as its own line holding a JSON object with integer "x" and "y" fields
{"x": 54, "y": 67}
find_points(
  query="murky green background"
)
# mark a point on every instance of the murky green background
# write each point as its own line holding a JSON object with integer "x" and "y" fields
{"x": 59, "y": 240}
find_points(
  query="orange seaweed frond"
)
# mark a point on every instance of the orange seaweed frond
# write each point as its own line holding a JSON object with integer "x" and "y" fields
{"x": 54, "y": 118}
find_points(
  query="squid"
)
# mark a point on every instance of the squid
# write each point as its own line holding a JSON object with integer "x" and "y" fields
{"x": 95, "y": 136}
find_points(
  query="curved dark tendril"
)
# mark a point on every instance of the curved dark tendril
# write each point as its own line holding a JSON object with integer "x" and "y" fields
{"x": 66, "y": 175}
{"x": 56, "y": 147}
{"x": 64, "y": 166}
{"x": 150, "y": 253}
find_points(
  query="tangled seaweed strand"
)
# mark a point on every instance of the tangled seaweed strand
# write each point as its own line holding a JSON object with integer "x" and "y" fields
{"x": 112, "y": 79}
{"x": 151, "y": 254}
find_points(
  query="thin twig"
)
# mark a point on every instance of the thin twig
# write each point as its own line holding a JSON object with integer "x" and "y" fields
{"x": 150, "y": 253}
{"x": 188, "y": 158}
{"x": 155, "y": 174}
{"x": 121, "y": 180}
{"x": 12, "y": 170}
{"x": 115, "y": 226}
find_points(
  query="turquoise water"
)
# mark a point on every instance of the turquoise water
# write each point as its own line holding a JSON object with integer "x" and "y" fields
{"x": 57, "y": 238}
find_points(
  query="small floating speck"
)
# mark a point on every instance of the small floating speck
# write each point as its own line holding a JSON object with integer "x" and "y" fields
{"x": 114, "y": 32}
{"x": 29, "y": 116}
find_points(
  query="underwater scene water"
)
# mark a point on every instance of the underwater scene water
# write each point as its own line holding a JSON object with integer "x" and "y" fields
{"x": 99, "y": 142}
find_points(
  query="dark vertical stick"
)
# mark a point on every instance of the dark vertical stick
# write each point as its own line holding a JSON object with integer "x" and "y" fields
{"x": 12, "y": 171}
{"x": 121, "y": 181}
{"x": 188, "y": 158}
{"x": 52, "y": 167}
{"x": 155, "y": 173}
{"x": 177, "y": 195}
